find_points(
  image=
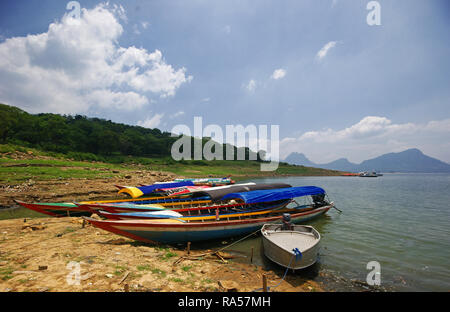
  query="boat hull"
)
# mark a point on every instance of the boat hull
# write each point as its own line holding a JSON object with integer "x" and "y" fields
{"x": 196, "y": 213}
{"x": 57, "y": 210}
{"x": 87, "y": 208}
{"x": 283, "y": 255}
{"x": 160, "y": 231}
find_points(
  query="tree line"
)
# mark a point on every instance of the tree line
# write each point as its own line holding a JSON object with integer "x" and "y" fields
{"x": 80, "y": 134}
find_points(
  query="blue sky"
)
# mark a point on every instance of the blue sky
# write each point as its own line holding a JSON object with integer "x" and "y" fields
{"x": 376, "y": 89}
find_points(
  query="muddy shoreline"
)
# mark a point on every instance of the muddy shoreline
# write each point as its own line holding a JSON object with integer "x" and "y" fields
{"x": 43, "y": 255}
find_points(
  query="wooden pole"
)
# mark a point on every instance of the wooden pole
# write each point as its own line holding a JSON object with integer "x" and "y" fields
{"x": 264, "y": 278}
{"x": 188, "y": 248}
{"x": 251, "y": 257}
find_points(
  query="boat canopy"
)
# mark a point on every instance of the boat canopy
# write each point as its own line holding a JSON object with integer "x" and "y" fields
{"x": 138, "y": 191}
{"x": 260, "y": 196}
{"x": 218, "y": 193}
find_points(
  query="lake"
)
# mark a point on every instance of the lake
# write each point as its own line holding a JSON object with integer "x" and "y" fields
{"x": 400, "y": 220}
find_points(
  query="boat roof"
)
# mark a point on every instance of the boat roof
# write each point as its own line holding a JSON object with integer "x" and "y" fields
{"x": 259, "y": 196}
{"x": 218, "y": 193}
{"x": 147, "y": 189}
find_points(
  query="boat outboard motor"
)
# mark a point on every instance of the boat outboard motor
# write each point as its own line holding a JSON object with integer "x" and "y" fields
{"x": 287, "y": 225}
{"x": 319, "y": 200}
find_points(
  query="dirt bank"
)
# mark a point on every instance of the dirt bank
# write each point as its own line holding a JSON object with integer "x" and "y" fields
{"x": 44, "y": 255}
{"x": 75, "y": 189}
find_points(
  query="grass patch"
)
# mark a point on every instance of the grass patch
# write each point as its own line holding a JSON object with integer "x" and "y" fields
{"x": 159, "y": 272}
{"x": 6, "y": 273}
{"x": 186, "y": 268}
{"x": 63, "y": 166}
{"x": 120, "y": 269}
{"x": 147, "y": 267}
{"x": 168, "y": 255}
{"x": 144, "y": 267}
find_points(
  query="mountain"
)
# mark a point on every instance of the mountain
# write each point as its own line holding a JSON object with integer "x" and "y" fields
{"x": 411, "y": 160}
{"x": 342, "y": 163}
{"x": 299, "y": 159}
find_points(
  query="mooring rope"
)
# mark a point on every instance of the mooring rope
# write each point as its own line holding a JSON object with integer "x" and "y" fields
{"x": 282, "y": 279}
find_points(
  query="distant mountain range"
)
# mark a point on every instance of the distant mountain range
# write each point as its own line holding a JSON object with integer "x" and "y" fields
{"x": 411, "y": 160}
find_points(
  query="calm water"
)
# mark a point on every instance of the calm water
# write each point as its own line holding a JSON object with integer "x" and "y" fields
{"x": 400, "y": 220}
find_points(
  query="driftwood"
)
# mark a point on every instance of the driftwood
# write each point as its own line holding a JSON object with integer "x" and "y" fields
{"x": 124, "y": 277}
{"x": 222, "y": 256}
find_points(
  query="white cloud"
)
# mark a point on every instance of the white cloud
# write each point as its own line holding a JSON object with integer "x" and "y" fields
{"x": 77, "y": 64}
{"x": 251, "y": 85}
{"x": 278, "y": 74}
{"x": 177, "y": 114}
{"x": 119, "y": 100}
{"x": 371, "y": 137}
{"x": 145, "y": 24}
{"x": 323, "y": 52}
{"x": 152, "y": 122}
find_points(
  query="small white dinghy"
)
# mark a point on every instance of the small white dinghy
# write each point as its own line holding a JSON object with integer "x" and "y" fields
{"x": 291, "y": 246}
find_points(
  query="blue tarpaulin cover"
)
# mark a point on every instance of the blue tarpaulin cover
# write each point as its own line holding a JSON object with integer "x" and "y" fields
{"x": 260, "y": 196}
{"x": 150, "y": 188}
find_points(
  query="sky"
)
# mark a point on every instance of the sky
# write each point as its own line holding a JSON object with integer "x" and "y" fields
{"x": 336, "y": 86}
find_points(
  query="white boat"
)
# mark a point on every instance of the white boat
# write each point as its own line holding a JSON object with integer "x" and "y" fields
{"x": 294, "y": 248}
{"x": 367, "y": 174}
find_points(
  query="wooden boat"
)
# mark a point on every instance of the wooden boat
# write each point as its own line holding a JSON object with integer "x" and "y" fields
{"x": 193, "y": 199}
{"x": 172, "y": 188}
{"x": 78, "y": 210}
{"x": 114, "y": 212}
{"x": 178, "y": 185}
{"x": 199, "y": 198}
{"x": 81, "y": 209}
{"x": 294, "y": 248}
{"x": 138, "y": 191}
{"x": 208, "y": 181}
{"x": 173, "y": 230}
{"x": 57, "y": 209}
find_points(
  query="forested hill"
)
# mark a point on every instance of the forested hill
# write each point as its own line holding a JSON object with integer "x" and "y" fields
{"x": 80, "y": 134}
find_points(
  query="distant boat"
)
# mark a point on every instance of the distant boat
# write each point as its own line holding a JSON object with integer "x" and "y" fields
{"x": 370, "y": 174}
{"x": 294, "y": 248}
